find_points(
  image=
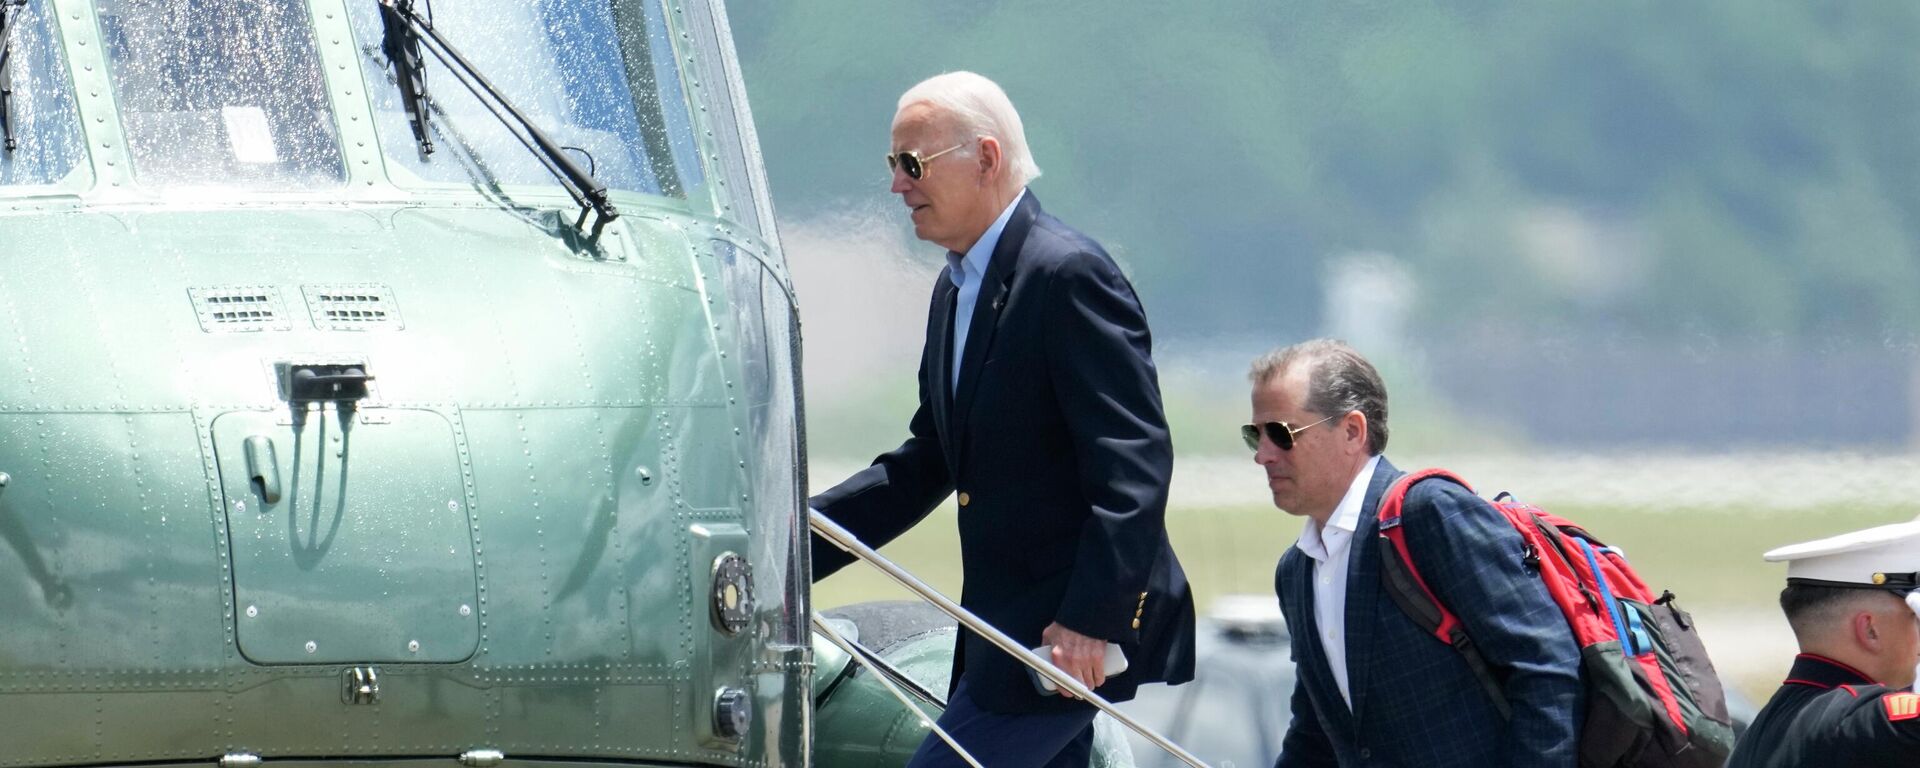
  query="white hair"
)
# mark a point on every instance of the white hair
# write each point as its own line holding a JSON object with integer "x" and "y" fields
{"x": 983, "y": 110}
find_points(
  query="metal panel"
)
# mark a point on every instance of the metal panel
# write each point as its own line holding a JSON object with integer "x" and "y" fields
{"x": 366, "y": 556}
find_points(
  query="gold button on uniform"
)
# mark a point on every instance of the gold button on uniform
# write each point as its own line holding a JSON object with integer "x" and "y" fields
{"x": 1136, "y": 623}
{"x": 964, "y": 498}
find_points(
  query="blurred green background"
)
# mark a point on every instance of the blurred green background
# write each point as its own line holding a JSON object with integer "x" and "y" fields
{"x": 1651, "y": 264}
{"x": 1761, "y": 157}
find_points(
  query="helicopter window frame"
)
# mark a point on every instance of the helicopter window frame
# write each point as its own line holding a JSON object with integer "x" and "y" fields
{"x": 741, "y": 193}
{"x": 46, "y": 109}
{"x": 281, "y": 129}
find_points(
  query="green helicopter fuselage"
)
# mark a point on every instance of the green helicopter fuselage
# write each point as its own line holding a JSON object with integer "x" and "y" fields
{"x": 314, "y": 445}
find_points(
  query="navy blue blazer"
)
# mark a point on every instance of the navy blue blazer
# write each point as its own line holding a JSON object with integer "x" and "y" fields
{"x": 1415, "y": 701}
{"x": 1056, "y": 440}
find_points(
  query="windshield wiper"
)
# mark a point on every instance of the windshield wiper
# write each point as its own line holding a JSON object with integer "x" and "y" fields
{"x": 406, "y": 33}
{"x": 7, "y": 17}
{"x": 402, "y": 47}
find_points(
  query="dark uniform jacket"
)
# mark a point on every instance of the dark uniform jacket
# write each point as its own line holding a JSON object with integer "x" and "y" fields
{"x": 1056, "y": 440}
{"x": 1829, "y": 715}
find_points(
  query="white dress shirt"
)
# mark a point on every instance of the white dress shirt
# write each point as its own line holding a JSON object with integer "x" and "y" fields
{"x": 1329, "y": 548}
{"x": 967, "y": 272}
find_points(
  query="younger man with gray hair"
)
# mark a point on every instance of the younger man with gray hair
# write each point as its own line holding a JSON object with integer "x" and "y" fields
{"x": 1373, "y": 687}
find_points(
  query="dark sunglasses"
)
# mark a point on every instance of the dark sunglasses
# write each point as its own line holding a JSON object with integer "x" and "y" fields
{"x": 912, "y": 164}
{"x": 1277, "y": 431}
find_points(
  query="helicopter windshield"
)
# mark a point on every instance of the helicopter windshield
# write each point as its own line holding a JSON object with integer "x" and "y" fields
{"x": 600, "y": 78}
{"x": 217, "y": 92}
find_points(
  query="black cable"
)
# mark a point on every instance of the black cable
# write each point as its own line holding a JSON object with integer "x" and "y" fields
{"x": 593, "y": 169}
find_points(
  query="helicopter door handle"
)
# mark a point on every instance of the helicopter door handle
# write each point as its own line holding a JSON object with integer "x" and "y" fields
{"x": 263, "y": 470}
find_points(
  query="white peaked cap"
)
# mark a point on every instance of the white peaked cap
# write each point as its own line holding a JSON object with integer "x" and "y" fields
{"x": 1887, "y": 556}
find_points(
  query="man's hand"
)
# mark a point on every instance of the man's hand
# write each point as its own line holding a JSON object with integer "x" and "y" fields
{"x": 1078, "y": 655}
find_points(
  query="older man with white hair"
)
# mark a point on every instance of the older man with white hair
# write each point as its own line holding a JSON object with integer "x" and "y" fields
{"x": 1040, "y": 406}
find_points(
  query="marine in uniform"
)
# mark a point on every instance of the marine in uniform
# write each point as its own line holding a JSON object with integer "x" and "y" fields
{"x": 1851, "y": 601}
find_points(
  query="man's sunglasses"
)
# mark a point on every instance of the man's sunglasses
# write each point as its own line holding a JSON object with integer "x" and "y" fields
{"x": 1277, "y": 431}
{"x": 915, "y": 166}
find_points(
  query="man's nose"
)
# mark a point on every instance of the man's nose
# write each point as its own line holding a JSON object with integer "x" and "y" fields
{"x": 901, "y": 182}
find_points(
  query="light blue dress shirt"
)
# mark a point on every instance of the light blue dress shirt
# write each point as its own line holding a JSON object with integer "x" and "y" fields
{"x": 967, "y": 272}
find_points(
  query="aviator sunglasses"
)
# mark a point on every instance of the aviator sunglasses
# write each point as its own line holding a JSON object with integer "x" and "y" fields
{"x": 912, "y": 164}
{"x": 1277, "y": 431}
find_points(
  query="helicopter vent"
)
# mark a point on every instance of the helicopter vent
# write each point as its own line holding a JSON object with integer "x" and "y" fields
{"x": 239, "y": 309}
{"x": 361, "y": 307}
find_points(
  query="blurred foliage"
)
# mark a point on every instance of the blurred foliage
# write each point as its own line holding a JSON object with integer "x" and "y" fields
{"x": 1631, "y": 167}
{"x": 1204, "y": 412}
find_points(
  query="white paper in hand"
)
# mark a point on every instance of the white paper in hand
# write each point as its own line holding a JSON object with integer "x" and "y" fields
{"x": 1114, "y": 663}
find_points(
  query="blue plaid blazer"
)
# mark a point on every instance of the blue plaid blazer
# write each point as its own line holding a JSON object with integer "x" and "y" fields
{"x": 1416, "y": 704}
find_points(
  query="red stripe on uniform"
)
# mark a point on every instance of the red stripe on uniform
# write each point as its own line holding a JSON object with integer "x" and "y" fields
{"x": 1818, "y": 657}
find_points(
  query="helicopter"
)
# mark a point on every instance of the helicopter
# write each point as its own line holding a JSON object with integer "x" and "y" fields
{"x": 389, "y": 381}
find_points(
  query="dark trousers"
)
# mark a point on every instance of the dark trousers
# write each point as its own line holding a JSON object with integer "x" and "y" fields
{"x": 1038, "y": 740}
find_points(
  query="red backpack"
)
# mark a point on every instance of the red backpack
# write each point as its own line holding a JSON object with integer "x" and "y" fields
{"x": 1652, "y": 697}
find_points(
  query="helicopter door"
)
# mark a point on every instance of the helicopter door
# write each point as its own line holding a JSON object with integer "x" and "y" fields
{"x": 352, "y": 545}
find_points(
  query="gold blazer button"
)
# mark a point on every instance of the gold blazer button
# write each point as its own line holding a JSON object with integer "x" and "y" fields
{"x": 964, "y": 498}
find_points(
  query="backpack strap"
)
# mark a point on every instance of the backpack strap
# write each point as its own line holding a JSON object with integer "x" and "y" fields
{"x": 1409, "y": 589}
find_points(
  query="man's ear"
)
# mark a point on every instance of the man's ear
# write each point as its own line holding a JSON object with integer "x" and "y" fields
{"x": 992, "y": 160}
{"x": 1865, "y": 634}
{"x": 1353, "y": 429}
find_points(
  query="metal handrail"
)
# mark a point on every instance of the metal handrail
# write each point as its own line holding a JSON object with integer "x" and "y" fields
{"x": 845, "y": 540}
